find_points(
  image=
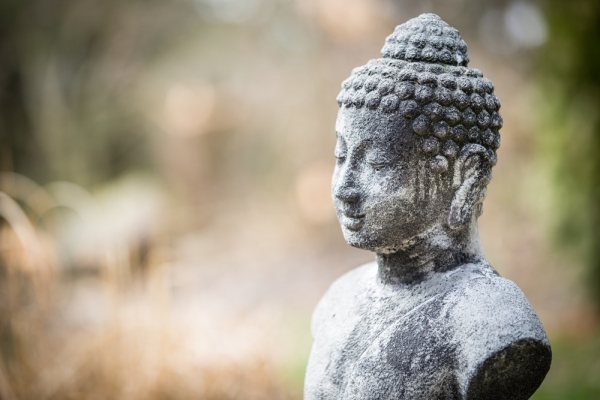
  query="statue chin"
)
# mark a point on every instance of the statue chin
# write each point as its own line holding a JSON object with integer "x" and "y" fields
{"x": 365, "y": 242}
{"x": 417, "y": 135}
{"x": 355, "y": 239}
{"x": 365, "y": 239}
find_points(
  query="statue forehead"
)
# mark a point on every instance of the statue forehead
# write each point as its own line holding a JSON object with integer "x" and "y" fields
{"x": 362, "y": 124}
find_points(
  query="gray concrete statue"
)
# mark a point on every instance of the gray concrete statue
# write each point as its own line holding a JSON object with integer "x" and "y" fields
{"x": 417, "y": 134}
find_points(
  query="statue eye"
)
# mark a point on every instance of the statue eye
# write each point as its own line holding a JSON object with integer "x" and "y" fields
{"x": 377, "y": 166}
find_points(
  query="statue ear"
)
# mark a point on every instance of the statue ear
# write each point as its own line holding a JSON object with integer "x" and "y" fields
{"x": 469, "y": 181}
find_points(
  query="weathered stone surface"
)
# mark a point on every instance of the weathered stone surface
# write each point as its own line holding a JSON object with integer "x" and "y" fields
{"x": 417, "y": 134}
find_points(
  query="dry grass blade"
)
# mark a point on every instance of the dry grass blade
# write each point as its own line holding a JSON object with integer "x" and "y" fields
{"x": 26, "y": 190}
{"x": 18, "y": 221}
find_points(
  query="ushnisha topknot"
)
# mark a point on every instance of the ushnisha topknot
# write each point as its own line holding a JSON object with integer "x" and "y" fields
{"x": 426, "y": 38}
{"x": 423, "y": 77}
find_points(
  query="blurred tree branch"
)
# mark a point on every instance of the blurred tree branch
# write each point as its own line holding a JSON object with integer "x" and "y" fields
{"x": 67, "y": 72}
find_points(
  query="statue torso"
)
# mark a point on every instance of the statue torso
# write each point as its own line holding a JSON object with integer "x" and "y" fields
{"x": 424, "y": 341}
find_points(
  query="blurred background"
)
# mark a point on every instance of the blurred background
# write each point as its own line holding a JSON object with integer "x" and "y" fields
{"x": 166, "y": 225}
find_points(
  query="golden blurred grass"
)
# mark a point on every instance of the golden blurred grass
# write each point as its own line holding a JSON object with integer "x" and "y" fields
{"x": 123, "y": 341}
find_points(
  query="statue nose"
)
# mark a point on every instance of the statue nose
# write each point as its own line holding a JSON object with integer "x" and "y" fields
{"x": 345, "y": 183}
{"x": 345, "y": 188}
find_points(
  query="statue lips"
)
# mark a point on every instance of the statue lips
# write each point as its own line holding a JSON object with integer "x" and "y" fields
{"x": 352, "y": 221}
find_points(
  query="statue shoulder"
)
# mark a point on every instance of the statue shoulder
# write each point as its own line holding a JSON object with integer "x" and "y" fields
{"x": 503, "y": 351}
{"x": 495, "y": 305}
{"x": 343, "y": 293}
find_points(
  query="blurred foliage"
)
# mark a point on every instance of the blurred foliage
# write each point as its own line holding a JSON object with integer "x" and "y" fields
{"x": 66, "y": 75}
{"x": 574, "y": 372}
{"x": 569, "y": 66}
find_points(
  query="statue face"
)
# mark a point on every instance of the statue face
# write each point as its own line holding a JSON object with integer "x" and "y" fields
{"x": 382, "y": 193}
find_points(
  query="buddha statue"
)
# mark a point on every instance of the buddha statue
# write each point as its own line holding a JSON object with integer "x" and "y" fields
{"x": 417, "y": 133}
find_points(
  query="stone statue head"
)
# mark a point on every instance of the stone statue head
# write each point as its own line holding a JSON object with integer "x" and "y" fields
{"x": 417, "y": 134}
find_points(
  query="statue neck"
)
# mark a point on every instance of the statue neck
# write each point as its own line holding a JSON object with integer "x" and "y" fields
{"x": 437, "y": 250}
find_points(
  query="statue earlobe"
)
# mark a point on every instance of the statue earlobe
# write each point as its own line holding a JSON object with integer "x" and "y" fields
{"x": 468, "y": 181}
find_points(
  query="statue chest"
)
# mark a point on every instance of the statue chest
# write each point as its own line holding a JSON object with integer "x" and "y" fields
{"x": 382, "y": 349}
